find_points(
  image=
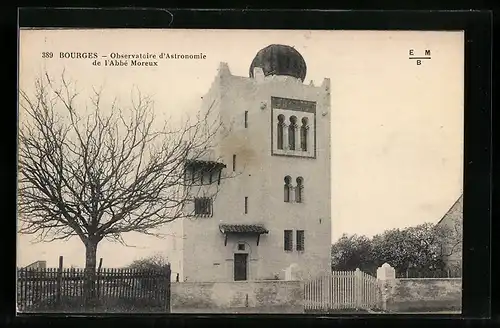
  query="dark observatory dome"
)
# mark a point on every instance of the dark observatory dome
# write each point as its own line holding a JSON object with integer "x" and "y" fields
{"x": 278, "y": 59}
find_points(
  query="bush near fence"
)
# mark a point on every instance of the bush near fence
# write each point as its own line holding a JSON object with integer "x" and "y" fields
{"x": 117, "y": 290}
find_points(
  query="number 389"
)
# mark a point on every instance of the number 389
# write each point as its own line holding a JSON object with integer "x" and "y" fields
{"x": 47, "y": 54}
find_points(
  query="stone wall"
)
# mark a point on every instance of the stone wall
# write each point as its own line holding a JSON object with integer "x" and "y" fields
{"x": 422, "y": 295}
{"x": 271, "y": 296}
{"x": 418, "y": 294}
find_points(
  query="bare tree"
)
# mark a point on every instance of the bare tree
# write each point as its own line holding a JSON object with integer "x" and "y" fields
{"x": 100, "y": 171}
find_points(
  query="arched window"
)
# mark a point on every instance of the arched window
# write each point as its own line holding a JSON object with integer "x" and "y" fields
{"x": 288, "y": 186}
{"x": 303, "y": 134}
{"x": 291, "y": 132}
{"x": 281, "y": 126}
{"x": 299, "y": 190}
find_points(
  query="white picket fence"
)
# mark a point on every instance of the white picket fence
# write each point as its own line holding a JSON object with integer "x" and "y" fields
{"x": 343, "y": 290}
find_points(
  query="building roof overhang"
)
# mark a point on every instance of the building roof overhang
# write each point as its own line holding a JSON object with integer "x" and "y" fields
{"x": 205, "y": 164}
{"x": 256, "y": 229}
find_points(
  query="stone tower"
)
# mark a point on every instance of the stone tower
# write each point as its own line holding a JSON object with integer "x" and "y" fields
{"x": 274, "y": 212}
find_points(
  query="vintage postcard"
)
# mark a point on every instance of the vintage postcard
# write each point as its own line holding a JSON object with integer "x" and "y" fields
{"x": 240, "y": 171}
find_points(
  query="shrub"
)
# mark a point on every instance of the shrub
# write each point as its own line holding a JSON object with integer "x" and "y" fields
{"x": 152, "y": 264}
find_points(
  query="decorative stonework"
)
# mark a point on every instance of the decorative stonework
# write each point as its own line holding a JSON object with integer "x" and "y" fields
{"x": 293, "y": 104}
{"x": 297, "y": 117}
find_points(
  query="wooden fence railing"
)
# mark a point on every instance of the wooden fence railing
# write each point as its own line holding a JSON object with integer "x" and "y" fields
{"x": 343, "y": 290}
{"x": 53, "y": 288}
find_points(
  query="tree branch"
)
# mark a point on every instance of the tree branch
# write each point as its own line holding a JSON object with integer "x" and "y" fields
{"x": 101, "y": 170}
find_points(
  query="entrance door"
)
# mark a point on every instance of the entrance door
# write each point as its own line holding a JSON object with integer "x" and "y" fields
{"x": 240, "y": 267}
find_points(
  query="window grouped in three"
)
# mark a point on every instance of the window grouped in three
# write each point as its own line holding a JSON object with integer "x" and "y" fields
{"x": 202, "y": 175}
{"x": 288, "y": 130}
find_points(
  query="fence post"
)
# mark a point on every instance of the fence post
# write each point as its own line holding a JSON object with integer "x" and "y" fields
{"x": 357, "y": 288}
{"x": 21, "y": 289}
{"x": 98, "y": 291}
{"x": 59, "y": 281}
{"x": 168, "y": 282}
{"x": 385, "y": 275}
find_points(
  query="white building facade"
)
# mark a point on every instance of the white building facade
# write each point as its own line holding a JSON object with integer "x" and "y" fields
{"x": 275, "y": 209}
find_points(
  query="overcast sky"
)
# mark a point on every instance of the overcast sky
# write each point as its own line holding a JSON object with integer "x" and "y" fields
{"x": 397, "y": 127}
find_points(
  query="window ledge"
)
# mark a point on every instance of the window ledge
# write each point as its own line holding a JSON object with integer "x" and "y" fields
{"x": 296, "y": 153}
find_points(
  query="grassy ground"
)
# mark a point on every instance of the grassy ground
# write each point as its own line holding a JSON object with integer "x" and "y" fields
{"x": 106, "y": 304}
{"x": 338, "y": 311}
{"x": 431, "y": 312}
{"x": 242, "y": 310}
{"x": 354, "y": 311}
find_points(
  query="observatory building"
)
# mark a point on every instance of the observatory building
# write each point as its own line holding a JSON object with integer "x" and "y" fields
{"x": 273, "y": 213}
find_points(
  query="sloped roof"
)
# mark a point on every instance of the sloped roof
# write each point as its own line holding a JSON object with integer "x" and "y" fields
{"x": 242, "y": 228}
{"x": 458, "y": 205}
{"x": 206, "y": 163}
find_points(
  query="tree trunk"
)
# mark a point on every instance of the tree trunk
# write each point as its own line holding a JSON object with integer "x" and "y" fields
{"x": 89, "y": 287}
